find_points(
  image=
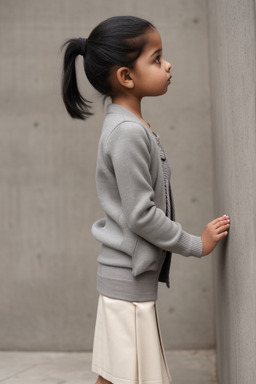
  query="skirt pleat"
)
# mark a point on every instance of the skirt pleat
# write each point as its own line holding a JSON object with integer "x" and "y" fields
{"x": 127, "y": 343}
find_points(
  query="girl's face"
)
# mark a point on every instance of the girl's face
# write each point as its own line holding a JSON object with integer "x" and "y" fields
{"x": 151, "y": 73}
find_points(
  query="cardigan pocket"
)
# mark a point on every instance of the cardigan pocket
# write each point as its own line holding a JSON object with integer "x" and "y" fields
{"x": 145, "y": 258}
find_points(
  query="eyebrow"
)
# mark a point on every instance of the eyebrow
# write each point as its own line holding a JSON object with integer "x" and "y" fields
{"x": 157, "y": 51}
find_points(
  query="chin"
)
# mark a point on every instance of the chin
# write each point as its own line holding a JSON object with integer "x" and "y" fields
{"x": 164, "y": 92}
{"x": 159, "y": 93}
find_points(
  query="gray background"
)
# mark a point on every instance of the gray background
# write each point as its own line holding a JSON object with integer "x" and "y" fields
{"x": 233, "y": 72}
{"x": 47, "y": 165}
{"x": 47, "y": 169}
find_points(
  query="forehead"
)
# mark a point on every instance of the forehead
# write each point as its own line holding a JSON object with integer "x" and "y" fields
{"x": 154, "y": 42}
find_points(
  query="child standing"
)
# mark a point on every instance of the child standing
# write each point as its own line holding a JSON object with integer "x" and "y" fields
{"x": 123, "y": 60}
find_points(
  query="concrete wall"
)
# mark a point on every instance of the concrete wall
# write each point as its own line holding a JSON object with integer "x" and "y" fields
{"x": 232, "y": 58}
{"x": 47, "y": 165}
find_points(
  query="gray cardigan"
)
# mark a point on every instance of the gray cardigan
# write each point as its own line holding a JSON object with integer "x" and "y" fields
{"x": 135, "y": 231}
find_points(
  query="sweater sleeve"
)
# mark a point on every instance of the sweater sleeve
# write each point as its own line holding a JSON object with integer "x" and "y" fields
{"x": 128, "y": 153}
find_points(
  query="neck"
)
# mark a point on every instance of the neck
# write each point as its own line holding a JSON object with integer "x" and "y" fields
{"x": 133, "y": 105}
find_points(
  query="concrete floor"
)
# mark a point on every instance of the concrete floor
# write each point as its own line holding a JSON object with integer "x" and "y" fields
{"x": 193, "y": 367}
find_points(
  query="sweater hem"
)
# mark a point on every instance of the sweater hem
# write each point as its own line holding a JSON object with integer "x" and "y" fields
{"x": 123, "y": 286}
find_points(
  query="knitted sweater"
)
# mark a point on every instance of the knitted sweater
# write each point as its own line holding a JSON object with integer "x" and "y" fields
{"x": 136, "y": 230}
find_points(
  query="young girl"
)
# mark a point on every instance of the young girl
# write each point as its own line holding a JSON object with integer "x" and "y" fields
{"x": 123, "y": 60}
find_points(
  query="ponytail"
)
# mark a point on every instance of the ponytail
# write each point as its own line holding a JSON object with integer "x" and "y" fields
{"x": 77, "y": 106}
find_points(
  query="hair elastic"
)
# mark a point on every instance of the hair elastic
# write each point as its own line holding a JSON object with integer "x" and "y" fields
{"x": 83, "y": 45}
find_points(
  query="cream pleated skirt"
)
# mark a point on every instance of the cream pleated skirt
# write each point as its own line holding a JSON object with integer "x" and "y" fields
{"x": 127, "y": 343}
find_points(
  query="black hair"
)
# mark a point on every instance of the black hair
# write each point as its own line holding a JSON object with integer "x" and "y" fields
{"x": 117, "y": 41}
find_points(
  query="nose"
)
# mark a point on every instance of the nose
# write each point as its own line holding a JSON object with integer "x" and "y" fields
{"x": 168, "y": 66}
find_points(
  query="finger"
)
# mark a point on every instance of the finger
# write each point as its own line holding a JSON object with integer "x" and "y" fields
{"x": 221, "y": 223}
{"x": 222, "y": 234}
{"x": 223, "y": 228}
{"x": 221, "y": 218}
{"x": 216, "y": 221}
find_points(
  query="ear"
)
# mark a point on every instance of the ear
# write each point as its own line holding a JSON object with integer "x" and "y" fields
{"x": 124, "y": 77}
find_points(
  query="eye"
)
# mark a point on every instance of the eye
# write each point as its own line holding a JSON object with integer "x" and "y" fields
{"x": 158, "y": 59}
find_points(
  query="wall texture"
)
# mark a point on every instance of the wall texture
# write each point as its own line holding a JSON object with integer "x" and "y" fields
{"x": 233, "y": 70}
{"x": 47, "y": 164}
